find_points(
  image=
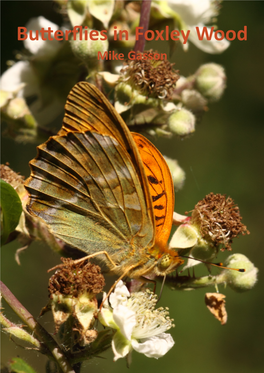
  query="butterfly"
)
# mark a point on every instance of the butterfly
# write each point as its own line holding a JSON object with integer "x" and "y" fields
{"x": 104, "y": 190}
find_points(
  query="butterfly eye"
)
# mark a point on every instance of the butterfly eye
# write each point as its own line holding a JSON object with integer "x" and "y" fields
{"x": 164, "y": 262}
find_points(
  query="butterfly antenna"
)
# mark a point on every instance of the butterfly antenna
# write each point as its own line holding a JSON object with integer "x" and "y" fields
{"x": 161, "y": 289}
{"x": 219, "y": 265}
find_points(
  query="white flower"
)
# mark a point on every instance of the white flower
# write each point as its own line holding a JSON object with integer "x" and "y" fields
{"x": 192, "y": 14}
{"x": 138, "y": 325}
{"x": 45, "y": 48}
{"x": 23, "y": 80}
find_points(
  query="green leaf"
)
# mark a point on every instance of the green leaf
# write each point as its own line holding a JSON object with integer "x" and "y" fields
{"x": 20, "y": 366}
{"x": 11, "y": 209}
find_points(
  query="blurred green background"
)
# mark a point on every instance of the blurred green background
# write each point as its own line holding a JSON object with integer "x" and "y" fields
{"x": 225, "y": 155}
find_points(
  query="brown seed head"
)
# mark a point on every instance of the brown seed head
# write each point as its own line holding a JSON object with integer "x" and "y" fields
{"x": 153, "y": 78}
{"x": 219, "y": 220}
{"x": 76, "y": 278}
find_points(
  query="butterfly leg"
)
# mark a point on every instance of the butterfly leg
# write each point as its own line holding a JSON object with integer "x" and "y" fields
{"x": 86, "y": 258}
{"x": 95, "y": 254}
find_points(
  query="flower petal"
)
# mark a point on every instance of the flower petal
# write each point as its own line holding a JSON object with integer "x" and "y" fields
{"x": 212, "y": 46}
{"x": 120, "y": 345}
{"x": 76, "y": 12}
{"x": 120, "y": 294}
{"x": 102, "y": 10}
{"x": 105, "y": 317}
{"x": 46, "y": 48}
{"x": 125, "y": 319}
{"x": 169, "y": 106}
{"x": 109, "y": 78}
{"x": 20, "y": 76}
{"x": 154, "y": 347}
{"x": 121, "y": 108}
{"x": 184, "y": 237}
{"x": 193, "y": 11}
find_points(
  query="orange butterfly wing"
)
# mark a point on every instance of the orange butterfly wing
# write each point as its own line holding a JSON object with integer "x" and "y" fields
{"x": 160, "y": 186}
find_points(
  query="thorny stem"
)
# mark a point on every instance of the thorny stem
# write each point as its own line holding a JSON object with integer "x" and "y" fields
{"x": 39, "y": 331}
{"x": 144, "y": 22}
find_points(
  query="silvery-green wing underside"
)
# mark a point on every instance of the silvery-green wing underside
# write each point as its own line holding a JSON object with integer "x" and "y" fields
{"x": 85, "y": 187}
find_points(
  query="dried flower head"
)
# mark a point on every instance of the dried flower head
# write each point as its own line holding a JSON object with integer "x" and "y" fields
{"x": 153, "y": 78}
{"x": 10, "y": 176}
{"x": 76, "y": 278}
{"x": 219, "y": 220}
{"x": 73, "y": 302}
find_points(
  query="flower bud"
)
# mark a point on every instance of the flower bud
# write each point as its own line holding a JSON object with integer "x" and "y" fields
{"x": 239, "y": 281}
{"x": 4, "y": 97}
{"x": 177, "y": 173}
{"x": 21, "y": 124}
{"x": 20, "y": 333}
{"x": 193, "y": 100}
{"x": 211, "y": 81}
{"x": 87, "y": 50}
{"x": 17, "y": 108}
{"x": 182, "y": 122}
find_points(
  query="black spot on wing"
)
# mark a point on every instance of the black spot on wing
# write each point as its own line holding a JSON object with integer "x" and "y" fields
{"x": 152, "y": 179}
{"x": 159, "y": 207}
{"x": 158, "y": 196}
{"x": 157, "y": 218}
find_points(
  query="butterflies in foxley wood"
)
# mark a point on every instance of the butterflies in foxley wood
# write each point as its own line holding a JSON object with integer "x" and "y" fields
{"x": 103, "y": 190}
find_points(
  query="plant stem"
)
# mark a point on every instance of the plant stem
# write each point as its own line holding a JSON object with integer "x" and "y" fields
{"x": 144, "y": 22}
{"x": 191, "y": 283}
{"x": 39, "y": 331}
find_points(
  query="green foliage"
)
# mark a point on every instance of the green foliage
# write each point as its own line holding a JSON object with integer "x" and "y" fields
{"x": 20, "y": 366}
{"x": 11, "y": 209}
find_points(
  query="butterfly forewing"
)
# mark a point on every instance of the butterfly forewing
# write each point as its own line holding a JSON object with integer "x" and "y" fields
{"x": 87, "y": 109}
{"x": 160, "y": 187}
